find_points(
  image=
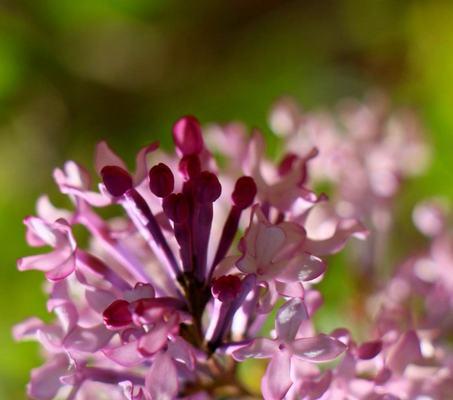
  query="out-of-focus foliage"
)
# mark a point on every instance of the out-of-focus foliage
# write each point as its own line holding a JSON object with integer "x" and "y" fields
{"x": 72, "y": 72}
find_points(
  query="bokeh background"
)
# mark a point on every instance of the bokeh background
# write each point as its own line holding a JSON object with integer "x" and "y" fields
{"x": 72, "y": 72}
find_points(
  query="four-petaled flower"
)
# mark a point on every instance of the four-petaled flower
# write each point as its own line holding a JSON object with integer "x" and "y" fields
{"x": 277, "y": 379}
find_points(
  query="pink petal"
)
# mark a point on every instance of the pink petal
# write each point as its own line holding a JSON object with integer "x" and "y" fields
{"x": 75, "y": 180}
{"x": 405, "y": 351}
{"x": 269, "y": 241}
{"x": 40, "y": 262}
{"x": 50, "y": 337}
{"x": 63, "y": 270}
{"x": 74, "y": 174}
{"x": 99, "y": 299}
{"x": 67, "y": 315}
{"x": 27, "y": 329}
{"x": 246, "y": 264}
{"x": 289, "y": 317}
{"x": 161, "y": 381}
{"x": 45, "y": 380}
{"x": 33, "y": 239}
{"x": 290, "y": 289}
{"x": 295, "y": 237}
{"x": 227, "y": 266}
{"x": 345, "y": 230}
{"x": 153, "y": 341}
{"x": 314, "y": 388}
{"x": 429, "y": 218}
{"x": 267, "y": 301}
{"x": 57, "y": 265}
{"x": 88, "y": 340}
{"x": 258, "y": 348}
{"x": 276, "y": 381}
{"x": 104, "y": 156}
{"x": 255, "y": 152}
{"x": 126, "y": 355}
{"x": 318, "y": 349}
{"x": 140, "y": 291}
{"x": 181, "y": 351}
{"x": 313, "y": 300}
{"x": 59, "y": 295}
{"x": 93, "y": 198}
{"x": 303, "y": 268}
{"x": 47, "y": 211}
{"x": 42, "y": 230}
{"x": 141, "y": 168}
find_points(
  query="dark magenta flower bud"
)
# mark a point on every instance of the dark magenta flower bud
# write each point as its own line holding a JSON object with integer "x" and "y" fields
{"x": 190, "y": 166}
{"x": 176, "y": 207}
{"x": 226, "y": 288}
{"x": 117, "y": 314}
{"x": 369, "y": 350}
{"x": 287, "y": 163}
{"x": 207, "y": 187}
{"x": 187, "y": 135}
{"x": 116, "y": 180}
{"x": 244, "y": 192}
{"x": 161, "y": 180}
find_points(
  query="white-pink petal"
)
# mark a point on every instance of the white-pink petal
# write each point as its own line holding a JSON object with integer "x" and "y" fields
{"x": 27, "y": 329}
{"x": 181, "y": 351}
{"x": 258, "y": 348}
{"x": 269, "y": 241}
{"x": 406, "y": 350}
{"x": 45, "y": 380}
{"x": 305, "y": 267}
{"x": 277, "y": 381}
{"x": 87, "y": 340}
{"x": 345, "y": 230}
{"x": 318, "y": 348}
{"x": 99, "y": 299}
{"x": 104, "y": 156}
{"x": 140, "y": 291}
{"x": 161, "y": 381}
{"x": 126, "y": 355}
{"x": 289, "y": 317}
{"x": 154, "y": 340}
{"x": 141, "y": 167}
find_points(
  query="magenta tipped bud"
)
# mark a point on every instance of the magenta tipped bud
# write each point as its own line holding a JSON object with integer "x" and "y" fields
{"x": 190, "y": 166}
{"x": 369, "y": 350}
{"x": 187, "y": 135}
{"x": 244, "y": 192}
{"x": 207, "y": 188}
{"x": 287, "y": 164}
{"x": 117, "y": 314}
{"x": 161, "y": 180}
{"x": 226, "y": 288}
{"x": 116, "y": 180}
{"x": 176, "y": 207}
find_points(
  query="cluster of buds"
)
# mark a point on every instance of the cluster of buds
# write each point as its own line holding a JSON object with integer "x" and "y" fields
{"x": 171, "y": 295}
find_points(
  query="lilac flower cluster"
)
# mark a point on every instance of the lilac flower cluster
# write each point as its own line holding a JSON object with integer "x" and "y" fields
{"x": 169, "y": 297}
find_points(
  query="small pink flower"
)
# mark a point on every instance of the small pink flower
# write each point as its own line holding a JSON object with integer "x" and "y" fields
{"x": 57, "y": 264}
{"x": 277, "y": 380}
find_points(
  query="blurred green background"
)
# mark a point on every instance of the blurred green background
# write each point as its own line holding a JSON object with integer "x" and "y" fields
{"x": 72, "y": 72}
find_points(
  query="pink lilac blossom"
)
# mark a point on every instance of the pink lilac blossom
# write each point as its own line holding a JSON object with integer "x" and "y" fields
{"x": 169, "y": 297}
{"x": 366, "y": 151}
